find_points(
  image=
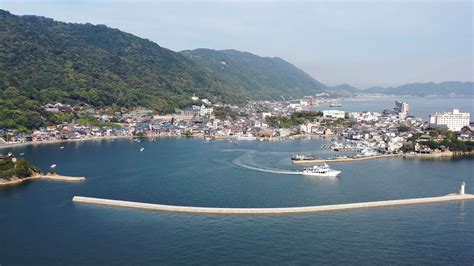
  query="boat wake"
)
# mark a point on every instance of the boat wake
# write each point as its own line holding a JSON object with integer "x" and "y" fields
{"x": 240, "y": 163}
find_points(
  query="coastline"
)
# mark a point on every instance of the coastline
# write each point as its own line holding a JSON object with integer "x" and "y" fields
{"x": 197, "y": 136}
{"x": 22, "y": 144}
{"x": 16, "y": 181}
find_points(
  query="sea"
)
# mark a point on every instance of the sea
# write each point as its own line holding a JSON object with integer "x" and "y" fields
{"x": 40, "y": 225}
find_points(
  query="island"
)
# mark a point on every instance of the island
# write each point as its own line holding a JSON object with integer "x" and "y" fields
{"x": 14, "y": 171}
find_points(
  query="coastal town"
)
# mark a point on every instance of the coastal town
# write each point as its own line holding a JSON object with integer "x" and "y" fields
{"x": 391, "y": 131}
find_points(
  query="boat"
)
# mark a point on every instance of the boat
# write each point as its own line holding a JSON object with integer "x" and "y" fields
{"x": 304, "y": 157}
{"x": 142, "y": 149}
{"x": 62, "y": 147}
{"x": 335, "y": 104}
{"x": 321, "y": 170}
{"x": 53, "y": 166}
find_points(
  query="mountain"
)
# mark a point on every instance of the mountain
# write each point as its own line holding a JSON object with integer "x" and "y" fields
{"x": 259, "y": 77}
{"x": 48, "y": 61}
{"x": 425, "y": 89}
{"x": 343, "y": 89}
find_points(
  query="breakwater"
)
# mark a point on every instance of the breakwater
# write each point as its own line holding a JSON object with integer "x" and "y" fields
{"x": 345, "y": 160}
{"x": 289, "y": 210}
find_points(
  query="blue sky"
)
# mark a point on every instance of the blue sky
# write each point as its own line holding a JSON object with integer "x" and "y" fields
{"x": 363, "y": 43}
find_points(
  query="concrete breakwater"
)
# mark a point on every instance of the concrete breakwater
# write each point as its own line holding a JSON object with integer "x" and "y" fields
{"x": 289, "y": 210}
{"x": 345, "y": 160}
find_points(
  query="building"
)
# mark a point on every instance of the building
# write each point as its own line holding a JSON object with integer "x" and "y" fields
{"x": 334, "y": 113}
{"x": 402, "y": 109}
{"x": 454, "y": 120}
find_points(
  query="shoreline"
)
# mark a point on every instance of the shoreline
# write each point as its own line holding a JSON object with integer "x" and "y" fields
{"x": 16, "y": 181}
{"x": 201, "y": 137}
{"x": 24, "y": 144}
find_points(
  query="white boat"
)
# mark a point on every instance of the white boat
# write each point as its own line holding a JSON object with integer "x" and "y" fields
{"x": 53, "y": 166}
{"x": 62, "y": 147}
{"x": 321, "y": 170}
{"x": 142, "y": 149}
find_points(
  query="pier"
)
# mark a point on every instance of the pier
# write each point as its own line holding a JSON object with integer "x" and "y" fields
{"x": 289, "y": 210}
{"x": 345, "y": 160}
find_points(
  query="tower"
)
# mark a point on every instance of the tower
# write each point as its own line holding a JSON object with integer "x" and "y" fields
{"x": 462, "y": 189}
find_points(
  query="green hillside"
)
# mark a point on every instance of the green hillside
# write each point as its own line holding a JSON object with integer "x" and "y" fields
{"x": 42, "y": 60}
{"x": 260, "y": 77}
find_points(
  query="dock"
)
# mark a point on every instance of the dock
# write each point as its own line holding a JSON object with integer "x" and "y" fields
{"x": 345, "y": 160}
{"x": 256, "y": 211}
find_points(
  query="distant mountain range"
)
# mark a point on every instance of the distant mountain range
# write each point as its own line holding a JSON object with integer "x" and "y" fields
{"x": 414, "y": 89}
{"x": 259, "y": 77}
{"x": 426, "y": 89}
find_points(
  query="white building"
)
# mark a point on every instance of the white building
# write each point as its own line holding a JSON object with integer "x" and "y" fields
{"x": 454, "y": 120}
{"x": 334, "y": 113}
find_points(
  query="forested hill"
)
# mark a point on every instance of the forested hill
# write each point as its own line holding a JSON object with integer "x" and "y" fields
{"x": 260, "y": 77}
{"x": 48, "y": 61}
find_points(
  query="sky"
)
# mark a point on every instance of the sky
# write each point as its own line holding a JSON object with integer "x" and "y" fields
{"x": 363, "y": 43}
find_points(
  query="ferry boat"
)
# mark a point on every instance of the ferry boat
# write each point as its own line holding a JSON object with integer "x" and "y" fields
{"x": 321, "y": 170}
{"x": 304, "y": 157}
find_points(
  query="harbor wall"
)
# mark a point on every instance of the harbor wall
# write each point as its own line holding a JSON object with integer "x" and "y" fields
{"x": 346, "y": 160}
{"x": 289, "y": 210}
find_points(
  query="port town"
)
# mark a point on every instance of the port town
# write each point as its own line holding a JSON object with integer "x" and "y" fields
{"x": 251, "y": 132}
{"x": 365, "y": 135}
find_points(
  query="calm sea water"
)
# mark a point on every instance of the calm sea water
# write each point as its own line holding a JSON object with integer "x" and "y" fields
{"x": 39, "y": 224}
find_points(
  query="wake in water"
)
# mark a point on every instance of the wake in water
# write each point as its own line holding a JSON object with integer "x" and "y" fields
{"x": 240, "y": 162}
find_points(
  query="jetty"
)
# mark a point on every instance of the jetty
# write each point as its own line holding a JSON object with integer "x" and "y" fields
{"x": 346, "y": 160}
{"x": 460, "y": 196}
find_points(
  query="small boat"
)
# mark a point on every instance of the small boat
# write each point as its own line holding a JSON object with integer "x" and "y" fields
{"x": 10, "y": 154}
{"x": 62, "y": 147}
{"x": 22, "y": 153}
{"x": 53, "y": 166}
{"x": 320, "y": 170}
{"x": 142, "y": 149}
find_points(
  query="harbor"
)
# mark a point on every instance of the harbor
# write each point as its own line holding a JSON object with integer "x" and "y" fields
{"x": 346, "y": 159}
{"x": 460, "y": 196}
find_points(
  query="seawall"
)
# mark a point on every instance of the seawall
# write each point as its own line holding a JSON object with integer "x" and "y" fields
{"x": 346, "y": 160}
{"x": 307, "y": 209}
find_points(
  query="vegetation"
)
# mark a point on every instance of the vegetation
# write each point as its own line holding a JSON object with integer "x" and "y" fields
{"x": 449, "y": 140}
{"x": 92, "y": 121}
{"x": 21, "y": 168}
{"x": 297, "y": 118}
{"x": 224, "y": 112}
{"x": 45, "y": 61}
{"x": 452, "y": 144}
{"x": 257, "y": 77}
